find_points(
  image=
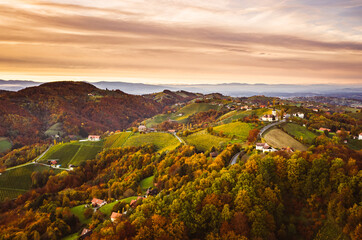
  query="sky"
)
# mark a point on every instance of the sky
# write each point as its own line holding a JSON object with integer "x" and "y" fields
{"x": 182, "y": 41}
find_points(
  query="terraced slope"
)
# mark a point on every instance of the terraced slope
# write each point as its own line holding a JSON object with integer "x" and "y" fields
{"x": 162, "y": 141}
{"x": 204, "y": 141}
{"x": 117, "y": 140}
{"x": 73, "y": 152}
{"x": 18, "y": 180}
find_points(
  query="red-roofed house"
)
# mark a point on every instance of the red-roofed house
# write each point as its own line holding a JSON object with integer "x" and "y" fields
{"x": 94, "y": 138}
{"x": 98, "y": 202}
{"x": 115, "y": 216}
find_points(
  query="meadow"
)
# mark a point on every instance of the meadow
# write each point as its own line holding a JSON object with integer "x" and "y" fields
{"x": 162, "y": 141}
{"x": 204, "y": 141}
{"x": 54, "y": 130}
{"x": 279, "y": 139}
{"x": 182, "y": 114}
{"x": 235, "y": 115}
{"x": 146, "y": 183}
{"x": 4, "y": 144}
{"x": 238, "y": 129}
{"x": 299, "y": 132}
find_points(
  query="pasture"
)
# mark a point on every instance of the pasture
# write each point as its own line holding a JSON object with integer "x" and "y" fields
{"x": 54, "y": 130}
{"x": 162, "y": 141}
{"x": 182, "y": 114}
{"x": 279, "y": 139}
{"x": 299, "y": 132}
{"x": 5, "y": 144}
{"x": 146, "y": 183}
{"x": 204, "y": 141}
{"x": 79, "y": 212}
{"x": 235, "y": 115}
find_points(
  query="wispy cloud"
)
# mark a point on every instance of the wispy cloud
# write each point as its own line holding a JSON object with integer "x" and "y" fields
{"x": 220, "y": 41}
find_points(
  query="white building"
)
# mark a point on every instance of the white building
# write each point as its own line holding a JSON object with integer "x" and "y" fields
{"x": 300, "y": 115}
{"x": 142, "y": 128}
{"x": 264, "y": 147}
{"x": 360, "y": 136}
{"x": 94, "y": 138}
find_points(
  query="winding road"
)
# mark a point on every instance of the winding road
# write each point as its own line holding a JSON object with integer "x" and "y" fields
{"x": 235, "y": 157}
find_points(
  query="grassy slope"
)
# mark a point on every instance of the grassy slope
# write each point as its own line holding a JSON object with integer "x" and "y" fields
{"x": 117, "y": 140}
{"x": 4, "y": 144}
{"x": 279, "y": 139}
{"x": 54, "y": 129}
{"x": 299, "y": 131}
{"x": 204, "y": 141}
{"x": 146, "y": 183}
{"x": 17, "y": 181}
{"x": 239, "y": 129}
{"x": 186, "y": 112}
{"x": 235, "y": 115}
{"x": 73, "y": 152}
{"x": 107, "y": 209}
{"x": 79, "y": 212}
{"x": 162, "y": 141}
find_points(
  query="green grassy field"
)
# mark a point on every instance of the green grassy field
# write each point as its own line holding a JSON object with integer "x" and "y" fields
{"x": 298, "y": 131}
{"x": 18, "y": 180}
{"x": 117, "y": 140}
{"x": 162, "y": 141}
{"x": 279, "y": 139}
{"x": 54, "y": 129}
{"x": 107, "y": 209}
{"x": 79, "y": 212}
{"x": 146, "y": 183}
{"x": 204, "y": 141}
{"x": 4, "y": 144}
{"x": 73, "y": 152}
{"x": 235, "y": 115}
{"x": 239, "y": 129}
{"x": 181, "y": 115}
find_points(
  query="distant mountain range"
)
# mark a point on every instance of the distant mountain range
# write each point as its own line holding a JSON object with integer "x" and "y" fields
{"x": 229, "y": 89}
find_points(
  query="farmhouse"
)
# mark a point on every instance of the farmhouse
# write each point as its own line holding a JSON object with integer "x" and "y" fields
{"x": 98, "y": 202}
{"x": 268, "y": 118}
{"x": 142, "y": 128}
{"x": 94, "y": 138}
{"x": 115, "y": 216}
{"x": 300, "y": 115}
{"x": 133, "y": 203}
{"x": 264, "y": 147}
{"x": 214, "y": 154}
{"x": 360, "y": 136}
{"x": 173, "y": 131}
{"x": 53, "y": 161}
{"x": 323, "y": 129}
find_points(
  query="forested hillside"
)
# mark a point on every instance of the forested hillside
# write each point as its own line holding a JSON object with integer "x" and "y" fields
{"x": 302, "y": 195}
{"x": 80, "y": 107}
